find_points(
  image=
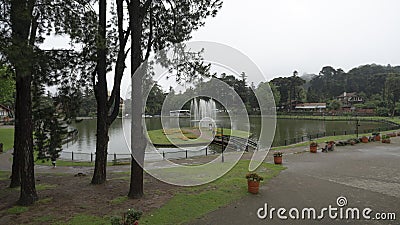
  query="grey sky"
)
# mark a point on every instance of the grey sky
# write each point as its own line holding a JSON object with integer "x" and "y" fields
{"x": 304, "y": 35}
{"x": 281, "y": 36}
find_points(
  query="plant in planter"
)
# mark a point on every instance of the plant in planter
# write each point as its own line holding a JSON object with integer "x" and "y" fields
{"x": 313, "y": 147}
{"x": 364, "y": 139}
{"x": 377, "y": 136}
{"x": 131, "y": 217}
{"x": 253, "y": 182}
{"x": 330, "y": 146}
{"x": 353, "y": 141}
{"x": 392, "y": 134}
{"x": 386, "y": 139}
{"x": 278, "y": 157}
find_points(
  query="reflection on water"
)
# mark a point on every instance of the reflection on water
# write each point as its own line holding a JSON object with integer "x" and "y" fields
{"x": 286, "y": 129}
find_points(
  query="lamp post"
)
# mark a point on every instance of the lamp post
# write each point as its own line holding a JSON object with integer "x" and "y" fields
{"x": 222, "y": 141}
{"x": 357, "y": 126}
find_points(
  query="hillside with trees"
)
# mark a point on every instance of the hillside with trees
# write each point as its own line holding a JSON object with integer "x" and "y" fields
{"x": 375, "y": 84}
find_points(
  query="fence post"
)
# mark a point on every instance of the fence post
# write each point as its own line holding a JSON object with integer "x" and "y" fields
{"x": 72, "y": 156}
{"x": 206, "y": 151}
{"x": 345, "y": 132}
{"x": 186, "y": 154}
{"x": 163, "y": 155}
{"x": 334, "y": 133}
{"x": 91, "y": 157}
{"x": 285, "y": 142}
{"x": 317, "y": 135}
{"x": 115, "y": 158}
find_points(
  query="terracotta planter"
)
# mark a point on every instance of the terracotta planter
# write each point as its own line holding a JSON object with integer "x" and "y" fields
{"x": 313, "y": 149}
{"x": 278, "y": 159}
{"x": 377, "y": 138}
{"x": 364, "y": 139}
{"x": 392, "y": 135}
{"x": 253, "y": 186}
{"x": 387, "y": 141}
{"x": 398, "y": 134}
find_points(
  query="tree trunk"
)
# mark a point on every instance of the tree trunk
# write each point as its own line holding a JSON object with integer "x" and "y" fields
{"x": 21, "y": 58}
{"x": 15, "y": 174}
{"x": 138, "y": 143}
{"x": 100, "y": 173}
{"x": 24, "y": 146}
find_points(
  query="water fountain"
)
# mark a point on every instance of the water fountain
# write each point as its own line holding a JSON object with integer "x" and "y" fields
{"x": 203, "y": 112}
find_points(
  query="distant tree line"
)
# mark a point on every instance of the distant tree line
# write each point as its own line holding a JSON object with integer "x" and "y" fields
{"x": 377, "y": 85}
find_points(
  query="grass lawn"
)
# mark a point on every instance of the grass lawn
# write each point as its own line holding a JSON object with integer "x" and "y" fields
{"x": 159, "y": 137}
{"x": 7, "y": 138}
{"x": 64, "y": 163}
{"x": 325, "y": 139}
{"x": 187, "y": 203}
{"x": 74, "y": 163}
{"x": 194, "y": 202}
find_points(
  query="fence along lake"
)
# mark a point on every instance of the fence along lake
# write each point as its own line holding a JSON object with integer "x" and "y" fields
{"x": 288, "y": 131}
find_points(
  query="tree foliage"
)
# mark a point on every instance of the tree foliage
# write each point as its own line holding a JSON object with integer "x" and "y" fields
{"x": 24, "y": 24}
{"x": 7, "y": 87}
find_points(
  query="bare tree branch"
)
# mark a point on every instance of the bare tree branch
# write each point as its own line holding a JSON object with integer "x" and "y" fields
{"x": 150, "y": 41}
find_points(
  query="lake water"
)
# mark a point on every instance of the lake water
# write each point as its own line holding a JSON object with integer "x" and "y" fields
{"x": 287, "y": 130}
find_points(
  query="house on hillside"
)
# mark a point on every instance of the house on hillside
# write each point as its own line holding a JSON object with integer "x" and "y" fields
{"x": 5, "y": 113}
{"x": 314, "y": 107}
{"x": 349, "y": 99}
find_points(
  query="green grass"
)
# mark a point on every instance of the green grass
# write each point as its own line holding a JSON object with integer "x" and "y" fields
{"x": 44, "y": 219}
{"x": 119, "y": 200}
{"x": 83, "y": 219}
{"x": 17, "y": 209}
{"x": 194, "y": 202}
{"x": 4, "y": 175}
{"x": 158, "y": 137}
{"x": 39, "y": 187}
{"x": 65, "y": 163}
{"x": 68, "y": 163}
{"x": 44, "y": 201}
{"x": 42, "y": 187}
{"x": 7, "y": 138}
{"x": 325, "y": 139}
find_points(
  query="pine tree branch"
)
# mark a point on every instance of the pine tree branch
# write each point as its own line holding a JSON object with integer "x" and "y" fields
{"x": 150, "y": 41}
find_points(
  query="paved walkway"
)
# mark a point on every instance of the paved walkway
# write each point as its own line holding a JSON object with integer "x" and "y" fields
{"x": 5, "y": 162}
{"x": 368, "y": 175}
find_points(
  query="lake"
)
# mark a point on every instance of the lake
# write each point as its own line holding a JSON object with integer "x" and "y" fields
{"x": 287, "y": 132}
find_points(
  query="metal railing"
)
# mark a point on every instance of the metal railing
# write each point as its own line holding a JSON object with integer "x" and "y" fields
{"x": 120, "y": 157}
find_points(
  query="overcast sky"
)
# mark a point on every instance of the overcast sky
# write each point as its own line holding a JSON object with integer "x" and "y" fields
{"x": 304, "y": 35}
{"x": 281, "y": 36}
